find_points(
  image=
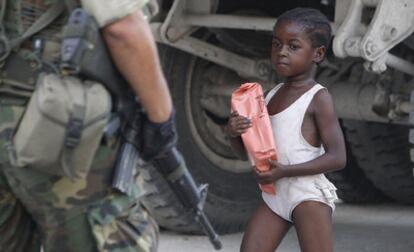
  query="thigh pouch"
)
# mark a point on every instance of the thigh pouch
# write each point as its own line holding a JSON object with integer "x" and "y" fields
{"x": 62, "y": 126}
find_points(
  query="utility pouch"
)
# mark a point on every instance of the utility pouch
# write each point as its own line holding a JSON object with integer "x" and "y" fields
{"x": 62, "y": 126}
{"x": 17, "y": 80}
{"x": 84, "y": 52}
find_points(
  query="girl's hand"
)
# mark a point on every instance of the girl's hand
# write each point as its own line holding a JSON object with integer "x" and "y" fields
{"x": 237, "y": 124}
{"x": 276, "y": 172}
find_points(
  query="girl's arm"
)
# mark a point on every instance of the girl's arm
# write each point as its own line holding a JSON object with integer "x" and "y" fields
{"x": 332, "y": 139}
{"x": 236, "y": 126}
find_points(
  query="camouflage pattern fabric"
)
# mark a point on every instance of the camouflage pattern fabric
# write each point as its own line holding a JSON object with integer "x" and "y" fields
{"x": 21, "y": 14}
{"x": 80, "y": 215}
{"x": 17, "y": 228}
{"x": 65, "y": 215}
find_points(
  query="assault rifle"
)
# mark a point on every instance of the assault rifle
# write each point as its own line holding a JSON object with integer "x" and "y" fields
{"x": 84, "y": 53}
{"x": 172, "y": 167}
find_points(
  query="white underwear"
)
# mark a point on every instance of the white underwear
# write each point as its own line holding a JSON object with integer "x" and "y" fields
{"x": 290, "y": 192}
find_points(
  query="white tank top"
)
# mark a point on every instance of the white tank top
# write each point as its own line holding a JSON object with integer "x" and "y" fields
{"x": 292, "y": 147}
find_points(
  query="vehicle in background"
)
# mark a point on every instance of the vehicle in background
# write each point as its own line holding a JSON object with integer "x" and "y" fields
{"x": 209, "y": 47}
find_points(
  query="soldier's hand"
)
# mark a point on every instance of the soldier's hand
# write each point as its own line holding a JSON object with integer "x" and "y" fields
{"x": 156, "y": 138}
{"x": 237, "y": 124}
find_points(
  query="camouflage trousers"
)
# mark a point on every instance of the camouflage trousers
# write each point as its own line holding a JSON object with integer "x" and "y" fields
{"x": 59, "y": 214}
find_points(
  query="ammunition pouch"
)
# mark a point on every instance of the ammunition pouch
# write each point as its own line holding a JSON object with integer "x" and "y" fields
{"x": 17, "y": 80}
{"x": 62, "y": 126}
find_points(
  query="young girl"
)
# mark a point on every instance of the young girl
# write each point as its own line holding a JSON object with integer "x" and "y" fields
{"x": 308, "y": 139}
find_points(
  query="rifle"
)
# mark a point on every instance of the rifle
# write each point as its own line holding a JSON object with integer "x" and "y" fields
{"x": 94, "y": 62}
{"x": 173, "y": 168}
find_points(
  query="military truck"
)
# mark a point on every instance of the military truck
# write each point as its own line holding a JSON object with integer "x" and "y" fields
{"x": 209, "y": 47}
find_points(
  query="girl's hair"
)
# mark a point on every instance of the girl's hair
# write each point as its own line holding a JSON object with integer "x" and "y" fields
{"x": 314, "y": 22}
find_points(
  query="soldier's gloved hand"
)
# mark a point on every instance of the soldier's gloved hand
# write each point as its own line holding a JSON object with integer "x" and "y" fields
{"x": 156, "y": 138}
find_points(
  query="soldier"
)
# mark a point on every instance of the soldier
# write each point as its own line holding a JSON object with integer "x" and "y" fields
{"x": 54, "y": 212}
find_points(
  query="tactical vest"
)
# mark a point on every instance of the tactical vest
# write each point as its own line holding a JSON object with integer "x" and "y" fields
{"x": 21, "y": 63}
{"x": 21, "y": 14}
{"x": 65, "y": 115}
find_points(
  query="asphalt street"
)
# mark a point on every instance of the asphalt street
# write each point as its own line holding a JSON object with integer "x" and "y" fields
{"x": 357, "y": 228}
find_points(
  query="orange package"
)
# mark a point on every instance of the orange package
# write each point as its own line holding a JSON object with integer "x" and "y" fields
{"x": 248, "y": 101}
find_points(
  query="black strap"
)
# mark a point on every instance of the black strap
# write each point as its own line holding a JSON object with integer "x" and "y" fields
{"x": 45, "y": 19}
{"x": 42, "y": 22}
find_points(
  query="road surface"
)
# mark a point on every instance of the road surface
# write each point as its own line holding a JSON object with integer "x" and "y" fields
{"x": 357, "y": 228}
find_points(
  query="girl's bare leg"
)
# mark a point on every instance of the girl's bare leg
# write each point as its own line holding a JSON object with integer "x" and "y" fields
{"x": 264, "y": 231}
{"x": 313, "y": 223}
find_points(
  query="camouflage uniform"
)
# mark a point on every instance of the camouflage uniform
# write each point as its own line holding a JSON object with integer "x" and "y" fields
{"x": 69, "y": 215}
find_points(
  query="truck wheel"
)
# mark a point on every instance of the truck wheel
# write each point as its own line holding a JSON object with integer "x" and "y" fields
{"x": 202, "y": 113}
{"x": 383, "y": 153}
{"x": 164, "y": 205}
{"x": 352, "y": 183}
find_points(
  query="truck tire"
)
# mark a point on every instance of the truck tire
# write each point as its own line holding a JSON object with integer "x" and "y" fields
{"x": 353, "y": 185}
{"x": 383, "y": 153}
{"x": 233, "y": 196}
{"x": 163, "y": 204}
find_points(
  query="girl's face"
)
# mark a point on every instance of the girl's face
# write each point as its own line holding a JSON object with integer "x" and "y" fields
{"x": 292, "y": 53}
